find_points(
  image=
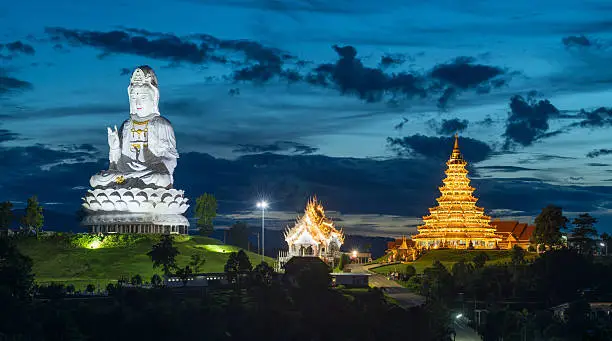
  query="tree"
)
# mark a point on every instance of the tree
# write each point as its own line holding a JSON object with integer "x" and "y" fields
{"x": 463, "y": 272}
{"x": 136, "y": 280}
{"x": 437, "y": 282}
{"x": 518, "y": 255}
{"x": 239, "y": 234}
{"x": 70, "y": 288}
{"x": 163, "y": 254}
{"x": 110, "y": 288}
{"x": 205, "y": 212}
{"x": 184, "y": 274}
{"x": 6, "y": 215}
{"x": 584, "y": 234}
{"x": 244, "y": 263}
{"x": 15, "y": 271}
{"x": 196, "y": 261}
{"x": 156, "y": 281}
{"x": 33, "y": 218}
{"x": 236, "y": 263}
{"x": 408, "y": 272}
{"x": 548, "y": 226}
{"x": 480, "y": 259}
{"x": 90, "y": 288}
{"x": 344, "y": 261}
{"x": 263, "y": 274}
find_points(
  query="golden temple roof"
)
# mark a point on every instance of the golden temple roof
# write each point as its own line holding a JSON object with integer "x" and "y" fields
{"x": 314, "y": 221}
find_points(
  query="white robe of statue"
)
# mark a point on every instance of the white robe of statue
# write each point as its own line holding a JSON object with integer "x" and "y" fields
{"x": 142, "y": 153}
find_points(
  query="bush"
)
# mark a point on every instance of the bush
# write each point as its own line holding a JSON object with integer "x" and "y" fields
{"x": 408, "y": 272}
{"x": 414, "y": 284}
{"x": 70, "y": 288}
{"x": 86, "y": 240}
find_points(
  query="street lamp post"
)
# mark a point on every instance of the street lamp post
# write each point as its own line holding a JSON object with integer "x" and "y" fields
{"x": 263, "y": 205}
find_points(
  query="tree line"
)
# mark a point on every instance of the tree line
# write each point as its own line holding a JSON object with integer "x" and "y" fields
{"x": 31, "y": 221}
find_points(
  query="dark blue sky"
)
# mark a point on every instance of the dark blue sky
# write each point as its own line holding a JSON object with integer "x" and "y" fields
{"x": 360, "y": 98}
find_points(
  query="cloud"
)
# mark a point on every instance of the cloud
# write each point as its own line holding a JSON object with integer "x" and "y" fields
{"x": 598, "y": 153}
{"x": 390, "y": 60}
{"x": 597, "y": 118}
{"x": 597, "y": 164}
{"x": 464, "y": 74}
{"x": 278, "y": 146}
{"x": 440, "y": 147}
{"x": 165, "y": 48}
{"x": 352, "y": 188}
{"x": 528, "y": 120}
{"x": 573, "y": 41}
{"x": 9, "y": 85}
{"x": 16, "y": 48}
{"x": 446, "y": 80}
{"x": 258, "y": 64}
{"x": 351, "y": 77}
{"x": 448, "y": 127}
{"x": 286, "y": 7}
{"x": 506, "y": 169}
{"x": 7, "y": 135}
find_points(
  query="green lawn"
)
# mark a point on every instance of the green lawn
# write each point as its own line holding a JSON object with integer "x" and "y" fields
{"x": 448, "y": 258}
{"x": 56, "y": 260}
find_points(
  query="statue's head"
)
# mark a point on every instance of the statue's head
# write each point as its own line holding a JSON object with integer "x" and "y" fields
{"x": 143, "y": 93}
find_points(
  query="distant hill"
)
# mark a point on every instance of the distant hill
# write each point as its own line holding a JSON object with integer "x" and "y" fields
{"x": 58, "y": 260}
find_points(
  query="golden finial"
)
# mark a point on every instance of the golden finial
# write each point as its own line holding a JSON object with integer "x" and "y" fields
{"x": 456, "y": 141}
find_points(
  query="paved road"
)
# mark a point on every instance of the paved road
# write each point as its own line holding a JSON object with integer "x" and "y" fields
{"x": 464, "y": 333}
{"x": 405, "y": 298}
{"x": 408, "y": 299}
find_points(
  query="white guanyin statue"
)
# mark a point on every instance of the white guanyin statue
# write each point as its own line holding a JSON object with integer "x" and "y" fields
{"x": 136, "y": 194}
{"x": 143, "y": 151}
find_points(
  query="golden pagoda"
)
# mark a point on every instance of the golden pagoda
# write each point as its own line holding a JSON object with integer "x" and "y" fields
{"x": 456, "y": 222}
{"x": 314, "y": 234}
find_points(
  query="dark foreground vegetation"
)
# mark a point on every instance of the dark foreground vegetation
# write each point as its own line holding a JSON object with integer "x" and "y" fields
{"x": 258, "y": 308}
{"x": 547, "y": 298}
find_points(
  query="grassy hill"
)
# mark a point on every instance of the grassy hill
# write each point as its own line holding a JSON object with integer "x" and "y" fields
{"x": 82, "y": 259}
{"x": 448, "y": 258}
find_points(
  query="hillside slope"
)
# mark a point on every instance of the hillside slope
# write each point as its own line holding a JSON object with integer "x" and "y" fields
{"x": 449, "y": 257}
{"x": 57, "y": 259}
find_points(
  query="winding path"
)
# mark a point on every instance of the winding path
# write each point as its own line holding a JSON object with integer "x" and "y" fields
{"x": 405, "y": 298}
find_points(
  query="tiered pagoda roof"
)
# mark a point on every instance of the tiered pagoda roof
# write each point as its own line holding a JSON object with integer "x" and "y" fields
{"x": 456, "y": 221}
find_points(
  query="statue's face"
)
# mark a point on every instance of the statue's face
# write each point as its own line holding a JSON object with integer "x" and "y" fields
{"x": 142, "y": 101}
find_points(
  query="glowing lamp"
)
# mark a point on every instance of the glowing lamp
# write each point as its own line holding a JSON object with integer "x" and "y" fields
{"x": 96, "y": 244}
{"x": 262, "y": 204}
{"x": 354, "y": 254}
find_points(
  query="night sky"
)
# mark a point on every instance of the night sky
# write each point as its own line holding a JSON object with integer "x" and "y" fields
{"x": 353, "y": 100}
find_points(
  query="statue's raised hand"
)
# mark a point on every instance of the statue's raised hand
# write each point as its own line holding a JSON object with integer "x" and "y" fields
{"x": 113, "y": 138}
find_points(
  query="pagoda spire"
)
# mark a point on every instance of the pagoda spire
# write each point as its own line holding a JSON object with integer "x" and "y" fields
{"x": 456, "y": 154}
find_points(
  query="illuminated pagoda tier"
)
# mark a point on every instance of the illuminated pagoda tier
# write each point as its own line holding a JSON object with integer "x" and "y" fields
{"x": 456, "y": 222}
{"x": 313, "y": 235}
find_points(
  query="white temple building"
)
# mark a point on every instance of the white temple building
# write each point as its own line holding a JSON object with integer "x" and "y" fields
{"x": 313, "y": 235}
